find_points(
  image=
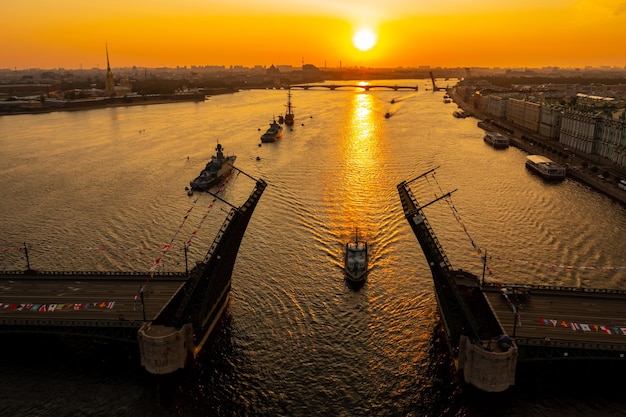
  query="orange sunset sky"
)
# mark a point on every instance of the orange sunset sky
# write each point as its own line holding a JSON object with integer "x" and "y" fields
{"x": 408, "y": 33}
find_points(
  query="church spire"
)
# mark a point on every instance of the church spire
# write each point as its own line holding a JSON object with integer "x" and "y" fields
{"x": 106, "y": 48}
{"x": 109, "y": 83}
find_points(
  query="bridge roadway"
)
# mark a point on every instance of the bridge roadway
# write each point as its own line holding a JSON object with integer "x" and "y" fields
{"x": 564, "y": 318}
{"x": 365, "y": 87}
{"x": 75, "y": 298}
{"x": 556, "y": 317}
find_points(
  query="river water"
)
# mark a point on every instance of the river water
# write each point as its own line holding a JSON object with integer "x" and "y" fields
{"x": 104, "y": 190}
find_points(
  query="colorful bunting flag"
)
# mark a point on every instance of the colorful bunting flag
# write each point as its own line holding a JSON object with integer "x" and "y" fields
{"x": 584, "y": 327}
{"x": 52, "y": 307}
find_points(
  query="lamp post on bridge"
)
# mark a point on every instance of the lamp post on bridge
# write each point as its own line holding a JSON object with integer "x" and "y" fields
{"x": 516, "y": 306}
{"x": 143, "y": 306}
{"x": 186, "y": 264}
{"x": 484, "y": 267}
{"x": 27, "y": 260}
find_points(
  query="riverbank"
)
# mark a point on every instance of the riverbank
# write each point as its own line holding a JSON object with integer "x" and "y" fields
{"x": 585, "y": 168}
{"x": 15, "y": 107}
{"x": 48, "y": 106}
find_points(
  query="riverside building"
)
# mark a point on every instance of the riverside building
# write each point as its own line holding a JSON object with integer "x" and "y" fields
{"x": 592, "y": 124}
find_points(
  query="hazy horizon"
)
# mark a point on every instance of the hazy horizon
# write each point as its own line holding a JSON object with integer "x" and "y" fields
{"x": 297, "y": 68}
{"x": 400, "y": 33}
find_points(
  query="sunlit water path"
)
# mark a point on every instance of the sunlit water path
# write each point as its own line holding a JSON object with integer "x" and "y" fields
{"x": 104, "y": 190}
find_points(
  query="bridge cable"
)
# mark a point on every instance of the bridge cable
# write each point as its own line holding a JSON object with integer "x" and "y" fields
{"x": 158, "y": 262}
{"x": 456, "y": 215}
{"x": 195, "y": 231}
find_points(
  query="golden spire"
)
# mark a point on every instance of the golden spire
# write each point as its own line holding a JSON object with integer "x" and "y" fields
{"x": 109, "y": 83}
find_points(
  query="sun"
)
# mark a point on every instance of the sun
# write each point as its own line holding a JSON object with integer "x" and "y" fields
{"x": 364, "y": 39}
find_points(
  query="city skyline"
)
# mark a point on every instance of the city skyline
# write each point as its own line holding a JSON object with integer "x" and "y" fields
{"x": 399, "y": 33}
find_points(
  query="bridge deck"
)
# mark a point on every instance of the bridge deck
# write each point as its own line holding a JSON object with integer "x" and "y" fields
{"x": 585, "y": 317}
{"x": 50, "y": 299}
{"x": 366, "y": 87}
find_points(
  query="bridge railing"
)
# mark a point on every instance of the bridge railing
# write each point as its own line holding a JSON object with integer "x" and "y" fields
{"x": 539, "y": 287}
{"x": 258, "y": 190}
{"x": 219, "y": 235}
{"x": 433, "y": 242}
{"x": 528, "y": 341}
{"x": 42, "y": 274}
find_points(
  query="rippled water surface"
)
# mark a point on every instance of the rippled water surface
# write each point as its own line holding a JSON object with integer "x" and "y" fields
{"x": 104, "y": 190}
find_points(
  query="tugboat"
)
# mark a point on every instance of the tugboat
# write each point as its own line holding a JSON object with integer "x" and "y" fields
{"x": 289, "y": 118}
{"x": 217, "y": 168}
{"x": 356, "y": 260}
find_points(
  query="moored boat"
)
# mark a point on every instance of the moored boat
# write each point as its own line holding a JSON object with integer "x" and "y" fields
{"x": 356, "y": 260}
{"x": 496, "y": 140}
{"x": 545, "y": 167}
{"x": 459, "y": 114}
{"x": 217, "y": 168}
{"x": 274, "y": 132}
{"x": 289, "y": 118}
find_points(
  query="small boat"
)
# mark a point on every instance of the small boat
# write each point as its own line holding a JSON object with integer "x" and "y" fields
{"x": 387, "y": 115}
{"x": 217, "y": 168}
{"x": 289, "y": 118}
{"x": 356, "y": 260}
{"x": 274, "y": 132}
{"x": 496, "y": 140}
{"x": 545, "y": 167}
{"x": 459, "y": 114}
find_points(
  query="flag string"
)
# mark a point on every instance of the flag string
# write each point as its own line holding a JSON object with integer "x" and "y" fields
{"x": 456, "y": 215}
{"x": 479, "y": 251}
{"x": 553, "y": 265}
{"x": 195, "y": 231}
{"x": 159, "y": 261}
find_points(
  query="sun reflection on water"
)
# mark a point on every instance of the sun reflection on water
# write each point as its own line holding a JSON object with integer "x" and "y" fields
{"x": 361, "y": 158}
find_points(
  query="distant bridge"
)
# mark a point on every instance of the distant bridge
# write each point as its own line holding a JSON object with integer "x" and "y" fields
{"x": 365, "y": 87}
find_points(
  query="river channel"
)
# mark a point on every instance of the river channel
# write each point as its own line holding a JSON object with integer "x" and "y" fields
{"x": 104, "y": 190}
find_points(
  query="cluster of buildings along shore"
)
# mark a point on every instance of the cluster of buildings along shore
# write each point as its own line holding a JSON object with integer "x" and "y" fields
{"x": 589, "y": 119}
